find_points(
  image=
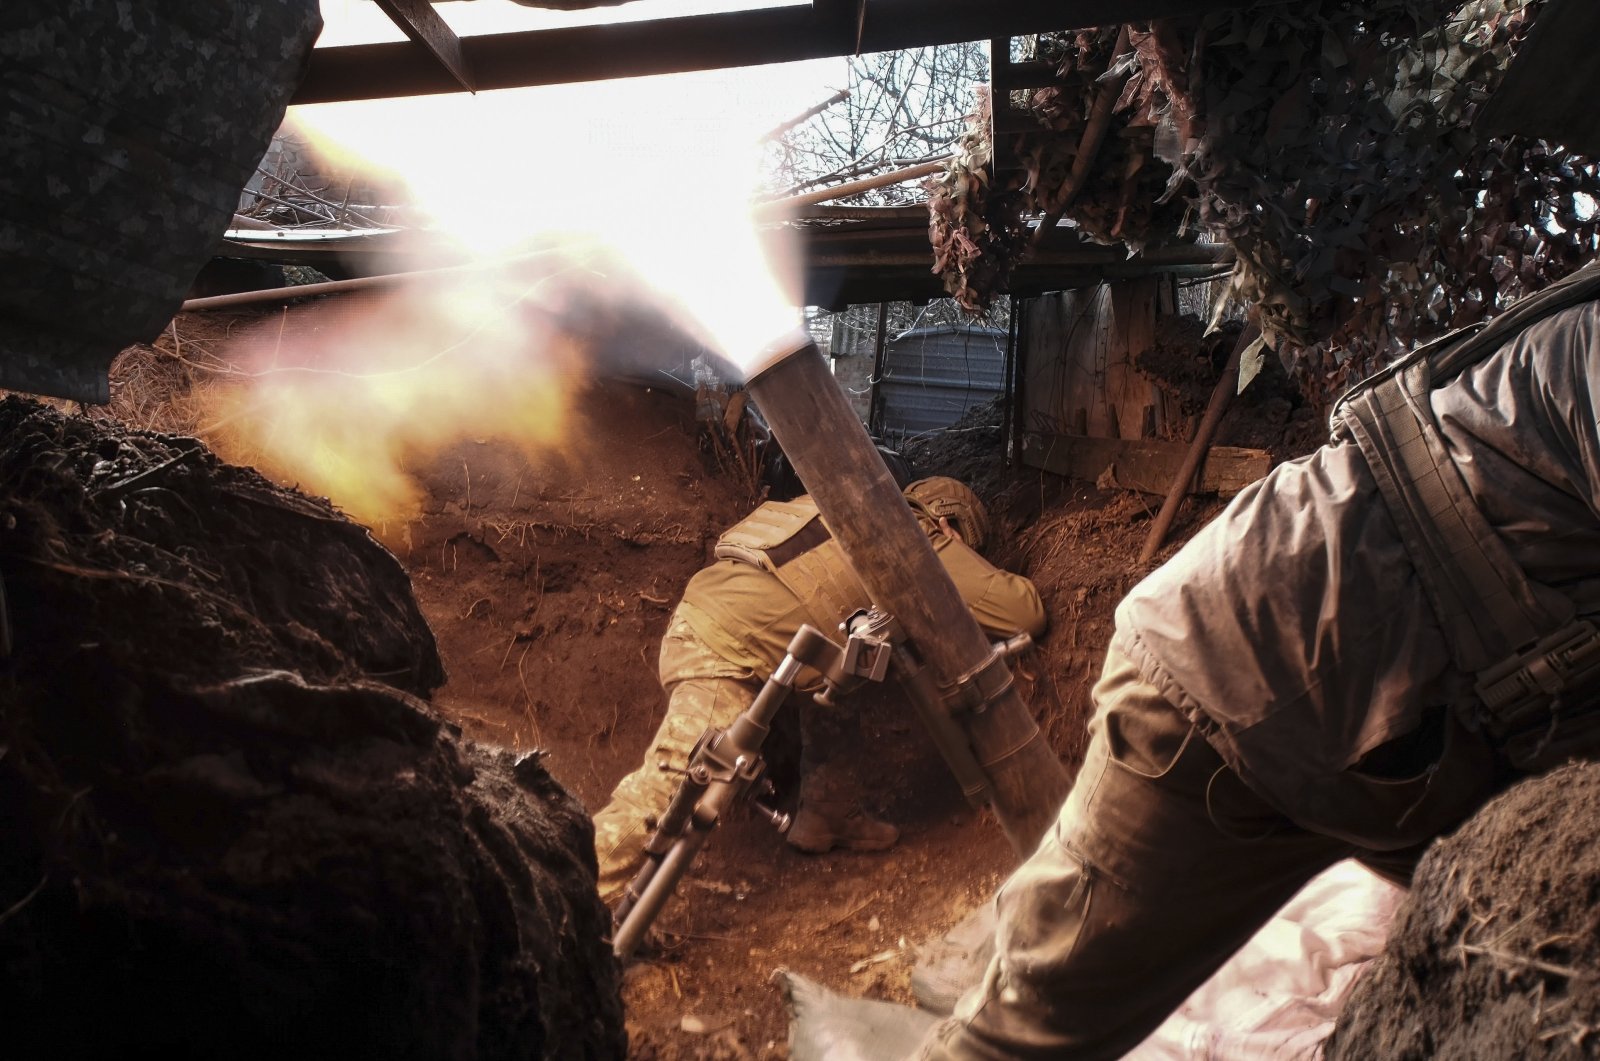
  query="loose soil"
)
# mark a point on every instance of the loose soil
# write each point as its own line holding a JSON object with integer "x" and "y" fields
{"x": 549, "y": 599}
{"x": 548, "y": 580}
{"x": 1495, "y": 951}
{"x": 233, "y": 823}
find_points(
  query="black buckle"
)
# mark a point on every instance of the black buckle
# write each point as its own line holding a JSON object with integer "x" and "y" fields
{"x": 1520, "y": 693}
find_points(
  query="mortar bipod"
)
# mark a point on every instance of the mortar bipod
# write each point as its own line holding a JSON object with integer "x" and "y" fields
{"x": 724, "y": 764}
{"x": 874, "y": 641}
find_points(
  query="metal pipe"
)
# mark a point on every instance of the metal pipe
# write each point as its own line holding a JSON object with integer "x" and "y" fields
{"x": 356, "y": 283}
{"x": 289, "y": 294}
{"x": 890, "y": 553}
{"x": 776, "y": 208}
{"x": 659, "y": 890}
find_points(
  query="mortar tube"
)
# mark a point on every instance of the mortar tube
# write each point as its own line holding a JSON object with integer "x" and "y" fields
{"x": 891, "y": 555}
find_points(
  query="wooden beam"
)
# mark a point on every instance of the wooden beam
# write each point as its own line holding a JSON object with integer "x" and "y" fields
{"x": 1033, "y": 73}
{"x": 1094, "y": 134}
{"x": 1005, "y": 119}
{"x": 1000, "y": 67}
{"x": 1146, "y": 466}
{"x": 418, "y": 20}
{"x": 1221, "y": 397}
{"x": 709, "y": 42}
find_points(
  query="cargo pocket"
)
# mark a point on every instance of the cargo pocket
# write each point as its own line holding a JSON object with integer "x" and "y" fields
{"x": 1148, "y": 742}
{"x": 1385, "y": 802}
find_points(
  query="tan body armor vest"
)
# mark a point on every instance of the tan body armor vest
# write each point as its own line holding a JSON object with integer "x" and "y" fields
{"x": 788, "y": 540}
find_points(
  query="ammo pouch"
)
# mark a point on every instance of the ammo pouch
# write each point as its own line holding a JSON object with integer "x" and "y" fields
{"x": 1537, "y": 667}
{"x": 787, "y": 539}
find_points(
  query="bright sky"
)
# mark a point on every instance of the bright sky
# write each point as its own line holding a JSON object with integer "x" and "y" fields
{"x": 662, "y": 168}
{"x": 361, "y": 22}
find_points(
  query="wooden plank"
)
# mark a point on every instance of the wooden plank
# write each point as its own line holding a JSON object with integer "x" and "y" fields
{"x": 1130, "y": 398}
{"x": 1146, "y": 466}
{"x": 1081, "y": 350}
{"x": 418, "y": 20}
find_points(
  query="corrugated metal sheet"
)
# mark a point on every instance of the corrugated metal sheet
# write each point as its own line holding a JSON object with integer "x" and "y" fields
{"x": 933, "y": 375}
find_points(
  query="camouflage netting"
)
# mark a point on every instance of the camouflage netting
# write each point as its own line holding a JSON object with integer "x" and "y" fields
{"x": 234, "y": 827}
{"x": 1494, "y": 953}
{"x": 1329, "y": 143}
{"x": 129, "y": 130}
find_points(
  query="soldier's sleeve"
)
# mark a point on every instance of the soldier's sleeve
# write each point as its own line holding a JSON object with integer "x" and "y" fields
{"x": 1004, "y": 604}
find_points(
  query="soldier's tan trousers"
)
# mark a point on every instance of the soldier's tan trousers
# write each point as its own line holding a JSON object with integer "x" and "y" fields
{"x": 703, "y": 689}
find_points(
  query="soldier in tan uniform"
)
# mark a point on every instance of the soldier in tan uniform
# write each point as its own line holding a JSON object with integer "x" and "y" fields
{"x": 775, "y": 570}
{"x": 1356, "y": 654}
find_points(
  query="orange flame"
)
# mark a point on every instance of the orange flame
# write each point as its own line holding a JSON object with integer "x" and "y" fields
{"x": 657, "y": 171}
{"x": 356, "y": 392}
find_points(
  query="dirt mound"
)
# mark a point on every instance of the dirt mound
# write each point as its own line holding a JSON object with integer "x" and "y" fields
{"x": 548, "y": 579}
{"x": 126, "y": 532}
{"x": 1495, "y": 952}
{"x": 1185, "y": 363}
{"x": 969, "y": 450}
{"x": 1079, "y": 544}
{"x": 549, "y": 576}
{"x": 234, "y": 826}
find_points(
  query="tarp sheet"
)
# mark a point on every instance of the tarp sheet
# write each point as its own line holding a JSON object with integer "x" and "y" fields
{"x": 1277, "y": 998}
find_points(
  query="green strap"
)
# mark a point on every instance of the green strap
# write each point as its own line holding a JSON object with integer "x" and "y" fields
{"x": 1486, "y": 604}
{"x": 1488, "y": 607}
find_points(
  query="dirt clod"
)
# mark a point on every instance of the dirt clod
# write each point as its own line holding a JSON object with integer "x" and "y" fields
{"x": 1495, "y": 952}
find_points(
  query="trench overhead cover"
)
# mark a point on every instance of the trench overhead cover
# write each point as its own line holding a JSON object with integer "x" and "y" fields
{"x": 435, "y": 60}
{"x": 130, "y": 128}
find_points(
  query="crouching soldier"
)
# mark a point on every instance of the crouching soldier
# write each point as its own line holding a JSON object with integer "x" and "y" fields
{"x": 775, "y": 570}
{"x": 1347, "y": 662}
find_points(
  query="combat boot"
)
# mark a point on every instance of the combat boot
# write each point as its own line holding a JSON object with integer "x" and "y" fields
{"x": 822, "y": 825}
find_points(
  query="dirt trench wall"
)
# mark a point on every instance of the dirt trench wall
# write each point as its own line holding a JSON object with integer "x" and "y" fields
{"x": 1495, "y": 952}
{"x": 233, "y": 825}
{"x": 549, "y": 578}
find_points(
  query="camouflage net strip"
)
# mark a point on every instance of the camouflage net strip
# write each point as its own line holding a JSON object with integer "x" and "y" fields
{"x": 1330, "y": 144}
